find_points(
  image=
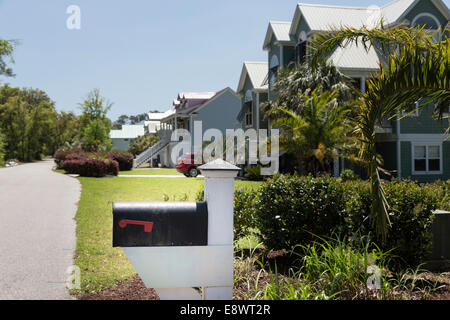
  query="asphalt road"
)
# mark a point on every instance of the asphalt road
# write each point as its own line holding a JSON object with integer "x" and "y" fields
{"x": 37, "y": 231}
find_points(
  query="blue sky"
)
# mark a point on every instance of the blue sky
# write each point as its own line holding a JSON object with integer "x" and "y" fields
{"x": 140, "y": 54}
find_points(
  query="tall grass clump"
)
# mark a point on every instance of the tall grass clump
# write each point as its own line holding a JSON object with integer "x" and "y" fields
{"x": 344, "y": 270}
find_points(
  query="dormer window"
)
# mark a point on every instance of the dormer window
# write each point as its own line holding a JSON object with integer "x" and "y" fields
{"x": 300, "y": 48}
{"x": 273, "y": 69}
{"x": 300, "y": 52}
{"x": 248, "y": 103}
{"x": 428, "y": 22}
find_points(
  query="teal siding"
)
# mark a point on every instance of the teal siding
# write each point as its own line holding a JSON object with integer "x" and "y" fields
{"x": 302, "y": 26}
{"x": 273, "y": 50}
{"x": 423, "y": 124}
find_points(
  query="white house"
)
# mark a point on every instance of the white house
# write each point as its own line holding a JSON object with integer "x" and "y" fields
{"x": 121, "y": 139}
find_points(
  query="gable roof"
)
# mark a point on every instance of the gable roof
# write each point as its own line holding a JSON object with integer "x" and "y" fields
{"x": 395, "y": 12}
{"x": 207, "y": 102}
{"x": 278, "y": 29}
{"x": 322, "y": 17}
{"x": 354, "y": 57}
{"x": 257, "y": 72}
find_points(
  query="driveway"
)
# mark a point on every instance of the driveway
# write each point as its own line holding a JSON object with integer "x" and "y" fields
{"x": 37, "y": 231}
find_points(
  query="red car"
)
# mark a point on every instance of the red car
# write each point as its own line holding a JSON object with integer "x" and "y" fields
{"x": 187, "y": 166}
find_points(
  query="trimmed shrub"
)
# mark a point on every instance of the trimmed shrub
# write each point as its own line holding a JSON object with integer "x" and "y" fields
{"x": 244, "y": 212}
{"x": 62, "y": 155}
{"x": 93, "y": 166}
{"x": 348, "y": 174}
{"x": 125, "y": 160}
{"x": 291, "y": 210}
{"x": 411, "y": 216}
{"x": 441, "y": 189}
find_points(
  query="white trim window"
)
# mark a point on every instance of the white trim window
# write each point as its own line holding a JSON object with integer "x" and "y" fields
{"x": 273, "y": 69}
{"x": 426, "y": 158}
{"x": 429, "y": 22}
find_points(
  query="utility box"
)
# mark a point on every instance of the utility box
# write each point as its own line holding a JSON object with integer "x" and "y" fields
{"x": 440, "y": 256}
{"x": 159, "y": 224}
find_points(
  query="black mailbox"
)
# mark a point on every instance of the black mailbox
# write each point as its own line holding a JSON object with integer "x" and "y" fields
{"x": 151, "y": 224}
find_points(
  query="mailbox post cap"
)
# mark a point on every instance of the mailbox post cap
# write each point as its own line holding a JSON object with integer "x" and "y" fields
{"x": 219, "y": 165}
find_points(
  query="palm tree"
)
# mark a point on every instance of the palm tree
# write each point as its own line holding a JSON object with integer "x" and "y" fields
{"x": 293, "y": 82}
{"x": 416, "y": 67}
{"x": 318, "y": 134}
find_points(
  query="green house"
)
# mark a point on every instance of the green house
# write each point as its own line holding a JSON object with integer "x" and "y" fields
{"x": 414, "y": 147}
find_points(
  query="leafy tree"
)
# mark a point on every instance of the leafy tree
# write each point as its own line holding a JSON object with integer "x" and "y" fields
{"x": 95, "y": 107}
{"x": 117, "y": 125}
{"x": 142, "y": 143}
{"x": 67, "y": 130}
{"x": 2, "y": 148}
{"x": 6, "y": 51}
{"x": 96, "y": 137}
{"x": 316, "y": 135}
{"x": 94, "y": 124}
{"x": 416, "y": 67}
{"x": 27, "y": 120}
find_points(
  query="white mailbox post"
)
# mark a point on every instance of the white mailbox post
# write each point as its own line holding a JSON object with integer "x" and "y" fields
{"x": 176, "y": 272}
{"x": 219, "y": 195}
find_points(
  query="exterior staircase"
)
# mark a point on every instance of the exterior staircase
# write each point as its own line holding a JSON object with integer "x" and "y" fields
{"x": 151, "y": 152}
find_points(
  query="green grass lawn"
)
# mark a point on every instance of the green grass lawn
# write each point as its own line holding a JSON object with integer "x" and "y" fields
{"x": 152, "y": 172}
{"x": 102, "y": 265}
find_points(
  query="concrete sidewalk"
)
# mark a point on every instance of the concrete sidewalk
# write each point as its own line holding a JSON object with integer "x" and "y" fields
{"x": 37, "y": 231}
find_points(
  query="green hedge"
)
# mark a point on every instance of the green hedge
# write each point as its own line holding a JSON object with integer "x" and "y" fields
{"x": 289, "y": 211}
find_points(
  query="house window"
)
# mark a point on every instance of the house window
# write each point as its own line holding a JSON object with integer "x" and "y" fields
{"x": 249, "y": 114}
{"x": 274, "y": 64}
{"x": 300, "y": 52}
{"x": 428, "y": 22}
{"x": 427, "y": 158}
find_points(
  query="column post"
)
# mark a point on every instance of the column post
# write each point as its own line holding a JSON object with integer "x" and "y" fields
{"x": 219, "y": 195}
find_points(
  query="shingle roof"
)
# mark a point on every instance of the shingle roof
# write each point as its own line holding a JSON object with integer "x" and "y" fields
{"x": 127, "y": 132}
